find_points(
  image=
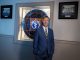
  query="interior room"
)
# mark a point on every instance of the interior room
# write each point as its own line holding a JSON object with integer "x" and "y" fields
{"x": 64, "y": 20}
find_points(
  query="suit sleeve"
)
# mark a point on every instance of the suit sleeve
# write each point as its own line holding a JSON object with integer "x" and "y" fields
{"x": 35, "y": 43}
{"x": 53, "y": 44}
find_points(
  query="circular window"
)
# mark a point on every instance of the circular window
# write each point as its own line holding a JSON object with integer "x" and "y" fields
{"x": 32, "y": 21}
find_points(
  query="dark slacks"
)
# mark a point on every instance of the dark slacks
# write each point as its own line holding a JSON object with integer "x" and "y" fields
{"x": 45, "y": 56}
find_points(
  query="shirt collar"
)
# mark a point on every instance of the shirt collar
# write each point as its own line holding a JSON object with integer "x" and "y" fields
{"x": 45, "y": 27}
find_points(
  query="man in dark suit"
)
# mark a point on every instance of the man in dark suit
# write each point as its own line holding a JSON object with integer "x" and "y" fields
{"x": 43, "y": 44}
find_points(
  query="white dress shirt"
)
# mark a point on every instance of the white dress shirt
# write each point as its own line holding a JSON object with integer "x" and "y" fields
{"x": 45, "y": 28}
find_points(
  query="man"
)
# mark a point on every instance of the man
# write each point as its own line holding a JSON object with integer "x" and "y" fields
{"x": 43, "y": 44}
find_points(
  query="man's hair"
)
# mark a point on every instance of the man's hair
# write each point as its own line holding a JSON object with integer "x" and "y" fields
{"x": 43, "y": 18}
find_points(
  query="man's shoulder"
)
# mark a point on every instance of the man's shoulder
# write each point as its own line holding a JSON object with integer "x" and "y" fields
{"x": 38, "y": 28}
{"x": 50, "y": 29}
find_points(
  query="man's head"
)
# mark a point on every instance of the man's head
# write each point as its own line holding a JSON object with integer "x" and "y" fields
{"x": 45, "y": 21}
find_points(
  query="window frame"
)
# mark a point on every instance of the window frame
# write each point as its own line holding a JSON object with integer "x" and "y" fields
{"x": 16, "y": 24}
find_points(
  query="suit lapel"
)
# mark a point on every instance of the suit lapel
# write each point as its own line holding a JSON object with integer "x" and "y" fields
{"x": 42, "y": 31}
{"x": 48, "y": 33}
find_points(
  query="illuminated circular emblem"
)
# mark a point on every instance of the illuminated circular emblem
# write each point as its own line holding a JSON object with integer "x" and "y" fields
{"x": 32, "y": 21}
{"x": 35, "y": 24}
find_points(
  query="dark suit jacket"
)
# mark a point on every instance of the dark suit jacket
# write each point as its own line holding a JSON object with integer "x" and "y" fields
{"x": 40, "y": 44}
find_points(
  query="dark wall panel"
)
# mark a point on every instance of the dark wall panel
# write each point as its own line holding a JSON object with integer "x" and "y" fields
{"x": 9, "y": 50}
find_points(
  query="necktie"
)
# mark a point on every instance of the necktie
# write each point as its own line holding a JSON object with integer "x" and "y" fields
{"x": 46, "y": 32}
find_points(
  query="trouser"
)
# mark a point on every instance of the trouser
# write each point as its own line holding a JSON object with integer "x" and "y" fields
{"x": 45, "y": 57}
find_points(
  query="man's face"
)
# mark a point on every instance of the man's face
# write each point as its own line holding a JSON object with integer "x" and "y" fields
{"x": 45, "y": 22}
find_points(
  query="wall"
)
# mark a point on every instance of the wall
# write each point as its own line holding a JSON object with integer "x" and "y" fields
{"x": 67, "y": 30}
{"x": 64, "y": 29}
